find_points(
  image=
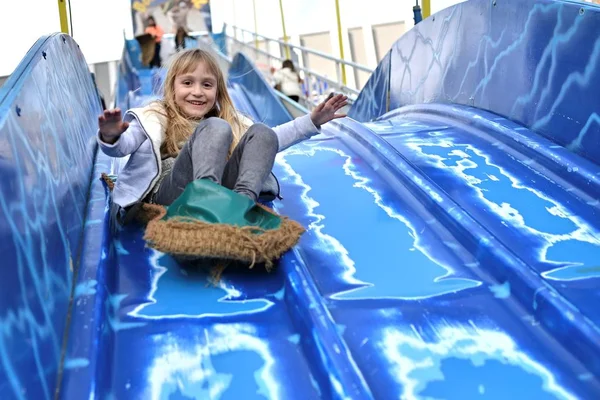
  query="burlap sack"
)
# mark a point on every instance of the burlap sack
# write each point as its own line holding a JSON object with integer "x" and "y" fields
{"x": 188, "y": 238}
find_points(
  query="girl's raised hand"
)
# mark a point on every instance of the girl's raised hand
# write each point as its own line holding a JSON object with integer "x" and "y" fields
{"x": 326, "y": 111}
{"x": 111, "y": 125}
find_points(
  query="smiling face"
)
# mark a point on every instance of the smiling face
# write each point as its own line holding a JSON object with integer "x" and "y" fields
{"x": 196, "y": 91}
{"x": 195, "y": 88}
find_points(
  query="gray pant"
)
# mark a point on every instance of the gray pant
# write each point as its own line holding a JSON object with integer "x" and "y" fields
{"x": 204, "y": 156}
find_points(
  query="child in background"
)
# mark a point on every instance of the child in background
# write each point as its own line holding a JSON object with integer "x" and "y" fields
{"x": 157, "y": 33}
{"x": 195, "y": 132}
{"x": 181, "y": 37}
{"x": 288, "y": 81}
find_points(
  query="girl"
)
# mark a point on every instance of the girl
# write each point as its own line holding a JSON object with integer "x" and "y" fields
{"x": 157, "y": 34}
{"x": 194, "y": 132}
{"x": 288, "y": 81}
{"x": 181, "y": 39}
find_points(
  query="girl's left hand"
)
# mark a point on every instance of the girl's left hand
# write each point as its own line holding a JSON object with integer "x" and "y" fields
{"x": 326, "y": 111}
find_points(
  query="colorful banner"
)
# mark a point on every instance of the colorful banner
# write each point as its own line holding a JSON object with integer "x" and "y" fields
{"x": 192, "y": 15}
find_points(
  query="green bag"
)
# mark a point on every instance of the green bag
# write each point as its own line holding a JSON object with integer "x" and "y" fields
{"x": 206, "y": 201}
{"x": 211, "y": 221}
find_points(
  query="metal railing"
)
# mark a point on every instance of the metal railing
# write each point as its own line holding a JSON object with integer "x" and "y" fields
{"x": 193, "y": 34}
{"x": 319, "y": 85}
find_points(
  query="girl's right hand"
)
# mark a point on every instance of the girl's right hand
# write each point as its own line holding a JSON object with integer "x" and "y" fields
{"x": 111, "y": 125}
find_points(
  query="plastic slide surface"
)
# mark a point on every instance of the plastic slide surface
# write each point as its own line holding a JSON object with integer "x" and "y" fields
{"x": 452, "y": 247}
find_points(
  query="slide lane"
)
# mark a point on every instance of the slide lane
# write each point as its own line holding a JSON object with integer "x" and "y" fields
{"x": 175, "y": 333}
{"x": 166, "y": 331}
{"x": 538, "y": 208}
{"x": 409, "y": 294}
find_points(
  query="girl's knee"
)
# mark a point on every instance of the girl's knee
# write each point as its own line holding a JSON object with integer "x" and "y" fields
{"x": 264, "y": 134}
{"x": 216, "y": 128}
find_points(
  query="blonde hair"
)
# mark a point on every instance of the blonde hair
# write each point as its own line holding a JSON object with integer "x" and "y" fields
{"x": 179, "y": 127}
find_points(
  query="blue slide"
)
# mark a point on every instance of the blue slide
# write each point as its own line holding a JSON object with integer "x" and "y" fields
{"x": 452, "y": 247}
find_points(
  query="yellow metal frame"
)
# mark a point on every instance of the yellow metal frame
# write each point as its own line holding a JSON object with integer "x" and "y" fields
{"x": 64, "y": 19}
{"x": 340, "y": 39}
{"x": 285, "y": 36}
{"x": 426, "y": 8}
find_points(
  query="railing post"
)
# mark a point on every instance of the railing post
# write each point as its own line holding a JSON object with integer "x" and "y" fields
{"x": 304, "y": 63}
{"x": 310, "y": 88}
{"x": 64, "y": 20}
{"x": 304, "y": 58}
{"x": 339, "y": 72}
{"x": 340, "y": 39}
{"x": 417, "y": 11}
{"x": 426, "y": 8}
{"x": 285, "y": 37}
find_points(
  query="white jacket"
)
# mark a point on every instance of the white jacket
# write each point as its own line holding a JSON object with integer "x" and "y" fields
{"x": 143, "y": 139}
{"x": 288, "y": 80}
